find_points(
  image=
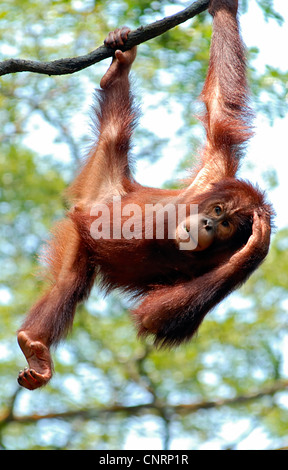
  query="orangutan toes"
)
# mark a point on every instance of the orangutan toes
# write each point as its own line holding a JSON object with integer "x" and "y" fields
{"x": 117, "y": 38}
{"x": 39, "y": 360}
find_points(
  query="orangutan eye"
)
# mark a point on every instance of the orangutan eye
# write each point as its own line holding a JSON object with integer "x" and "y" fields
{"x": 218, "y": 210}
{"x": 225, "y": 223}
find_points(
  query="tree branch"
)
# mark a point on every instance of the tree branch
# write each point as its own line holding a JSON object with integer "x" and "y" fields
{"x": 154, "y": 408}
{"x": 72, "y": 65}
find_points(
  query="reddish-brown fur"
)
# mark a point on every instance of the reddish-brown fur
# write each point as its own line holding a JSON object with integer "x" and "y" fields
{"x": 176, "y": 288}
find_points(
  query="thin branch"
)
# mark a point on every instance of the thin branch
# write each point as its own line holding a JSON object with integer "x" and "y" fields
{"x": 72, "y": 65}
{"x": 154, "y": 408}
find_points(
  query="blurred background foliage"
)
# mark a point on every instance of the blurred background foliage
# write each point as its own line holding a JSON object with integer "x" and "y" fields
{"x": 225, "y": 389}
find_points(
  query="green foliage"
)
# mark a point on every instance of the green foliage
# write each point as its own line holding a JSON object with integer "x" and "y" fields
{"x": 108, "y": 383}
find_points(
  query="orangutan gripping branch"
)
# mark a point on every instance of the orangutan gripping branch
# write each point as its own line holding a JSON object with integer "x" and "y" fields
{"x": 153, "y": 243}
